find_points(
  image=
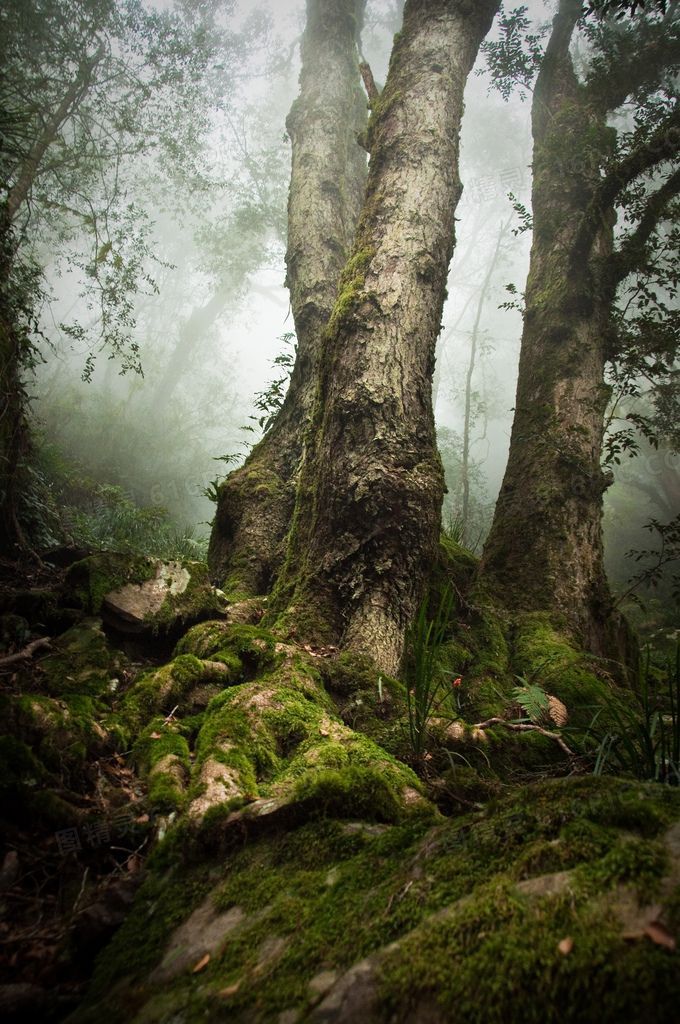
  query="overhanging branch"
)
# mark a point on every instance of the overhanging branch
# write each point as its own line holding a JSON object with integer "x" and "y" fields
{"x": 663, "y": 145}
{"x": 631, "y": 253}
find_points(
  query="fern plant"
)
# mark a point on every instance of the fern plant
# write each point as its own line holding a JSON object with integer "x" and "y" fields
{"x": 533, "y": 701}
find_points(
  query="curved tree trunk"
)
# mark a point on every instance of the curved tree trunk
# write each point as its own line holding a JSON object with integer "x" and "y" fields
{"x": 544, "y": 551}
{"x": 368, "y": 509}
{"x": 327, "y": 187}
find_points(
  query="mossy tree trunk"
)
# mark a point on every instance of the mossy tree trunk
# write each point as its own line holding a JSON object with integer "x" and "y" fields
{"x": 368, "y": 507}
{"x": 326, "y": 191}
{"x": 544, "y": 551}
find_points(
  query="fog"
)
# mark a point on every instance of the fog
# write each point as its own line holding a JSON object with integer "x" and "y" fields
{"x": 211, "y": 313}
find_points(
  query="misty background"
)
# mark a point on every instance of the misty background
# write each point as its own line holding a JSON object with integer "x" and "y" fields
{"x": 207, "y": 341}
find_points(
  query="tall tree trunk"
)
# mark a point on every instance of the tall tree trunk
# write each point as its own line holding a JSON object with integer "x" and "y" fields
{"x": 369, "y": 502}
{"x": 13, "y": 428}
{"x": 327, "y": 186}
{"x": 544, "y": 551}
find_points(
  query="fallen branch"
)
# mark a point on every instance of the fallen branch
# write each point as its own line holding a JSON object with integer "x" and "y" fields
{"x": 26, "y": 653}
{"x": 526, "y": 727}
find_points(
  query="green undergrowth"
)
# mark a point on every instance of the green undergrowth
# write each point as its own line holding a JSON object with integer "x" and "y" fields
{"x": 56, "y": 718}
{"x": 471, "y": 939}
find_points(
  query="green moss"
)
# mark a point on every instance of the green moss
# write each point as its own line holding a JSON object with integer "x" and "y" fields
{"x": 19, "y": 767}
{"x": 198, "y": 601}
{"x": 334, "y": 892}
{"x": 89, "y": 581}
{"x": 203, "y": 640}
{"x": 177, "y": 685}
{"x": 639, "y": 862}
{"x": 81, "y": 662}
{"x": 163, "y": 902}
{"x": 353, "y": 792}
{"x": 542, "y": 655}
{"x": 456, "y": 564}
{"x": 351, "y": 288}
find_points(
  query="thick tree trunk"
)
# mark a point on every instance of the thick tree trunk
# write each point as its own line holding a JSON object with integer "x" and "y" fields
{"x": 327, "y": 187}
{"x": 368, "y": 508}
{"x": 544, "y": 551}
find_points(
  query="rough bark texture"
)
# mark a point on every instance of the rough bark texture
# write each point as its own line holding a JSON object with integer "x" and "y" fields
{"x": 368, "y": 509}
{"x": 13, "y": 427}
{"x": 326, "y": 192}
{"x": 545, "y": 551}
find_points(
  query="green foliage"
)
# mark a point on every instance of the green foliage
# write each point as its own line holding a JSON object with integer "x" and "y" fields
{"x": 427, "y": 680}
{"x": 472, "y": 533}
{"x": 114, "y": 522}
{"x": 526, "y": 221}
{"x": 621, "y": 8}
{"x": 269, "y": 401}
{"x": 658, "y": 559}
{"x": 645, "y": 738}
{"x": 96, "y": 95}
{"x": 101, "y": 516}
{"x": 533, "y": 700}
{"x": 513, "y": 60}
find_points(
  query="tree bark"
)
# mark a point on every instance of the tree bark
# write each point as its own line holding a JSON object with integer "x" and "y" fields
{"x": 368, "y": 508}
{"x": 327, "y": 186}
{"x": 13, "y": 427}
{"x": 544, "y": 551}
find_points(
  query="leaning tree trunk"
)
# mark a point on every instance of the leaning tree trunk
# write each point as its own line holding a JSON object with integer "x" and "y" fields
{"x": 544, "y": 551}
{"x": 369, "y": 501}
{"x": 327, "y": 187}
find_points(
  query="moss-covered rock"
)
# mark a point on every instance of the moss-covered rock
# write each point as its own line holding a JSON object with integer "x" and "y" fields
{"x": 139, "y": 594}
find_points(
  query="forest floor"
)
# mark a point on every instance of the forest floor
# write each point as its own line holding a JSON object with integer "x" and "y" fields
{"x": 212, "y": 825}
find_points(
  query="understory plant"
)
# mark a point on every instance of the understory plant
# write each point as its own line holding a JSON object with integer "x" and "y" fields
{"x": 644, "y": 740}
{"x": 427, "y": 674}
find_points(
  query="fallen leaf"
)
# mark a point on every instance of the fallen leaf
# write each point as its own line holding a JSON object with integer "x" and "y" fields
{"x": 142, "y": 819}
{"x": 154, "y": 736}
{"x": 230, "y": 990}
{"x": 324, "y": 732}
{"x": 133, "y": 863}
{"x": 202, "y": 964}
{"x": 659, "y": 934}
{"x": 565, "y": 946}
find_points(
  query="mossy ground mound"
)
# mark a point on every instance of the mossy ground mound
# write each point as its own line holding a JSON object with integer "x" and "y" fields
{"x": 305, "y": 875}
{"x": 477, "y": 908}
